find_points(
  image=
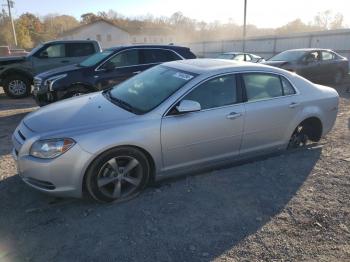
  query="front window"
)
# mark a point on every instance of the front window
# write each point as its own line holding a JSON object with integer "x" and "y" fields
{"x": 143, "y": 92}
{"x": 217, "y": 92}
{"x": 288, "y": 56}
{"x": 96, "y": 58}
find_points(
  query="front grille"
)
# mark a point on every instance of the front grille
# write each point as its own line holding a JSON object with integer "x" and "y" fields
{"x": 37, "y": 83}
{"x": 39, "y": 183}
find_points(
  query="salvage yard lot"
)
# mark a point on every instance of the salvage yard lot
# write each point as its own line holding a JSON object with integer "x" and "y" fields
{"x": 294, "y": 206}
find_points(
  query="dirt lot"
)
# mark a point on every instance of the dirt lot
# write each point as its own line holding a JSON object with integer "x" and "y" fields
{"x": 290, "y": 207}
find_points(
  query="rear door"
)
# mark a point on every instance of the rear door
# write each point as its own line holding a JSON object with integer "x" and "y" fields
{"x": 213, "y": 133}
{"x": 328, "y": 64}
{"x": 271, "y": 105}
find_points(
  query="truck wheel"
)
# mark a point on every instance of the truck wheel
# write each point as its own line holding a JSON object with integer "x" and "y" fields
{"x": 17, "y": 86}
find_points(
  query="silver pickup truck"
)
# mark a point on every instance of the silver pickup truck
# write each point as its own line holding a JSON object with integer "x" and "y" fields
{"x": 16, "y": 73}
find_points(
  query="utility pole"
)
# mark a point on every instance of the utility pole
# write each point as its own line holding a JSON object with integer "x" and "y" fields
{"x": 10, "y": 5}
{"x": 245, "y": 25}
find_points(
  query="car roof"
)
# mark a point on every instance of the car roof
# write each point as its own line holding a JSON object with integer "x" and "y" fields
{"x": 69, "y": 41}
{"x": 309, "y": 49}
{"x": 173, "y": 47}
{"x": 208, "y": 65}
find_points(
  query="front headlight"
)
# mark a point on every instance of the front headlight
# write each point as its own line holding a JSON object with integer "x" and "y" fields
{"x": 49, "y": 82}
{"x": 51, "y": 148}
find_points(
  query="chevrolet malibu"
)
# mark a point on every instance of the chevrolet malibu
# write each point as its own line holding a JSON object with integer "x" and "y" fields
{"x": 173, "y": 118}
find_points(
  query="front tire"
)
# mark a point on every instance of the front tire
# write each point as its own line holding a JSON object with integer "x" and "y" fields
{"x": 118, "y": 174}
{"x": 17, "y": 86}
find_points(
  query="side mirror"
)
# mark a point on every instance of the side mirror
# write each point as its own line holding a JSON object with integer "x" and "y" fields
{"x": 44, "y": 54}
{"x": 187, "y": 106}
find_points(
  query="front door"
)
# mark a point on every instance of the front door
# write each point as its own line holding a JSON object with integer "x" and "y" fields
{"x": 50, "y": 57}
{"x": 311, "y": 68}
{"x": 213, "y": 133}
{"x": 119, "y": 68}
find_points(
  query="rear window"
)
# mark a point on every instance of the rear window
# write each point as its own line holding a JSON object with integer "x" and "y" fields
{"x": 79, "y": 49}
{"x": 151, "y": 56}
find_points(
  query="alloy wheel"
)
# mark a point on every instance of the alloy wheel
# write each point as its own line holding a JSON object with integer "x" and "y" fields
{"x": 120, "y": 177}
{"x": 17, "y": 87}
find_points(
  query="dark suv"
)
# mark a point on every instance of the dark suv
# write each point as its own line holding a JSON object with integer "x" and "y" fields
{"x": 103, "y": 70}
{"x": 17, "y": 72}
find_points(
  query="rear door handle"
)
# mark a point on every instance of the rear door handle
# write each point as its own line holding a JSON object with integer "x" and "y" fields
{"x": 294, "y": 105}
{"x": 233, "y": 115}
{"x": 65, "y": 61}
{"x": 137, "y": 72}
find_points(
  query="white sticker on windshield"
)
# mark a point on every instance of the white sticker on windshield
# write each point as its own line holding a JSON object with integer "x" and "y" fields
{"x": 183, "y": 76}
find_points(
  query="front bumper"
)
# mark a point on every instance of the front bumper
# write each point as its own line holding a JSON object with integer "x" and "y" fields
{"x": 61, "y": 176}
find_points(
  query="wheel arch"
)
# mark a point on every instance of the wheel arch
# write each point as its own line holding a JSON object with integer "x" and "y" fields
{"x": 313, "y": 125}
{"x": 15, "y": 71}
{"x": 144, "y": 151}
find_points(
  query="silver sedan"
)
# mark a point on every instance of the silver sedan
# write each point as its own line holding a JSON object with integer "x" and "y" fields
{"x": 171, "y": 119}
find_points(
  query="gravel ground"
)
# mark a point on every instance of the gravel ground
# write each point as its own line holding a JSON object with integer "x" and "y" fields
{"x": 290, "y": 207}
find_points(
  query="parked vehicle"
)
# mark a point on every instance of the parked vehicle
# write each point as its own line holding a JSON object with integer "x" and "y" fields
{"x": 172, "y": 118}
{"x": 239, "y": 56}
{"x": 103, "y": 70}
{"x": 317, "y": 65}
{"x": 16, "y": 73}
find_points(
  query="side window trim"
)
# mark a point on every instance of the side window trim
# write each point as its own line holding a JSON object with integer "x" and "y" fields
{"x": 240, "y": 95}
{"x": 244, "y": 90}
{"x": 98, "y": 68}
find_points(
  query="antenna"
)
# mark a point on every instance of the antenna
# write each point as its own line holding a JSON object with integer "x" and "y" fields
{"x": 10, "y": 4}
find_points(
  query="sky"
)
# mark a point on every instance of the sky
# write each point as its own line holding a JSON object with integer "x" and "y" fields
{"x": 263, "y": 13}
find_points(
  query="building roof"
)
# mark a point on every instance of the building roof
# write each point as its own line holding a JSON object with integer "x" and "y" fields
{"x": 131, "y": 30}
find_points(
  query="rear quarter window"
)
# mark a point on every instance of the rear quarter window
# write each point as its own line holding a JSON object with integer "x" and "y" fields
{"x": 79, "y": 49}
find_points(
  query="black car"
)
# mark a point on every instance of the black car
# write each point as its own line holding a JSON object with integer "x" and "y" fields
{"x": 317, "y": 65}
{"x": 103, "y": 70}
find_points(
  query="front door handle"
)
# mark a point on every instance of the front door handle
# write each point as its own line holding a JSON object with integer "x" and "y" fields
{"x": 294, "y": 105}
{"x": 233, "y": 115}
{"x": 65, "y": 61}
{"x": 137, "y": 72}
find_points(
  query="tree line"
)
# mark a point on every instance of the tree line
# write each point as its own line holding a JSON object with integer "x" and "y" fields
{"x": 31, "y": 29}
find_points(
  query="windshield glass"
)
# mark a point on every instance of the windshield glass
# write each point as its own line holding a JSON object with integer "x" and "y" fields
{"x": 149, "y": 89}
{"x": 35, "y": 49}
{"x": 96, "y": 58}
{"x": 288, "y": 56}
{"x": 226, "y": 56}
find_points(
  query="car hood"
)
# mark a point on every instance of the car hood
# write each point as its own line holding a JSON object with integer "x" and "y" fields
{"x": 81, "y": 112}
{"x": 59, "y": 71}
{"x": 11, "y": 60}
{"x": 276, "y": 63}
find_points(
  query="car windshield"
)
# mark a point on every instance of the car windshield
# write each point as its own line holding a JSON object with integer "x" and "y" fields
{"x": 142, "y": 93}
{"x": 35, "y": 49}
{"x": 226, "y": 56}
{"x": 95, "y": 59}
{"x": 288, "y": 56}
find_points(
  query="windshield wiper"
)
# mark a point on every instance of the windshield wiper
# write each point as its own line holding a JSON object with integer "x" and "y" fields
{"x": 120, "y": 102}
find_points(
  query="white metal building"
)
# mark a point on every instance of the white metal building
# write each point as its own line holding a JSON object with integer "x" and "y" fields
{"x": 109, "y": 34}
